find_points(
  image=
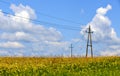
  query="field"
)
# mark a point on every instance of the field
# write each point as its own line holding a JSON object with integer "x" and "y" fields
{"x": 59, "y": 66}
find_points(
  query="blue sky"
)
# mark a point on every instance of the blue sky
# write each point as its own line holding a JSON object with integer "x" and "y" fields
{"x": 70, "y": 14}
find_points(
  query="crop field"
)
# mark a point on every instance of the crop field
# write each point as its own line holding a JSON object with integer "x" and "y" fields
{"x": 59, "y": 66}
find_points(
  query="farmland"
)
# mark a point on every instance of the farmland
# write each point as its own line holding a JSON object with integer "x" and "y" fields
{"x": 59, "y": 66}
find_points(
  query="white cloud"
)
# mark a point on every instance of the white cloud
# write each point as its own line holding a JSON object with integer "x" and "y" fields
{"x": 104, "y": 33}
{"x": 18, "y": 32}
{"x": 4, "y": 53}
{"x": 18, "y": 36}
{"x": 110, "y": 53}
{"x": 101, "y": 25}
{"x": 23, "y": 11}
{"x": 103, "y": 11}
{"x": 11, "y": 45}
{"x": 76, "y": 40}
{"x": 114, "y": 47}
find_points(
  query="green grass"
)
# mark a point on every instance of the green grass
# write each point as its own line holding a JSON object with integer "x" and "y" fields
{"x": 33, "y": 66}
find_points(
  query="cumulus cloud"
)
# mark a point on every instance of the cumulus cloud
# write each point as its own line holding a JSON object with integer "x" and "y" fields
{"x": 4, "y": 53}
{"x": 104, "y": 33}
{"x": 23, "y": 11}
{"x": 11, "y": 45}
{"x": 103, "y": 11}
{"x": 17, "y": 31}
{"x": 18, "y": 36}
{"x": 110, "y": 53}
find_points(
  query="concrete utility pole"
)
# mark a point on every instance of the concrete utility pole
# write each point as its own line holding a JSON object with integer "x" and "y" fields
{"x": 71, "y": 49}
{"x": 89, "y": 42}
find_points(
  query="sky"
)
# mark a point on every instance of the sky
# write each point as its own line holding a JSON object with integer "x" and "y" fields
{"x": 49, "y": 27}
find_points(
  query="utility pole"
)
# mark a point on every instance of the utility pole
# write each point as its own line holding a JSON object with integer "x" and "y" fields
{"x": 71, "y": 49}
{"x": 89, "y": 42}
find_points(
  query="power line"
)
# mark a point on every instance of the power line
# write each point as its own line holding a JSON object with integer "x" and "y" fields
{"x": 50, "y": 16}
{"x": 44, "y": 22}
{"x": 68, "y": 27}
{"x": 61, "y": 19}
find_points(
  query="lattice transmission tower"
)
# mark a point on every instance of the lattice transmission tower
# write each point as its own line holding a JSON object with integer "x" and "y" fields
{"x": 89, "y": 42}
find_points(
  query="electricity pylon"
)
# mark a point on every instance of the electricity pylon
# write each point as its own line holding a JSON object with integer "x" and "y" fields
{"x": 71, "y": 49}
{"x": 89, "y": 42}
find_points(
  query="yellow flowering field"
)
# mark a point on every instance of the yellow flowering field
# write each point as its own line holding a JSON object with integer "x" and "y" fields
{"x": 59, "y": 66}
